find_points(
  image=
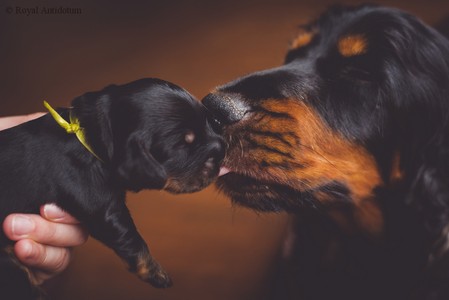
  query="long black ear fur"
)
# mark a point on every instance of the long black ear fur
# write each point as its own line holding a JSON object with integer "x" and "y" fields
{"x": 139, "y": 169}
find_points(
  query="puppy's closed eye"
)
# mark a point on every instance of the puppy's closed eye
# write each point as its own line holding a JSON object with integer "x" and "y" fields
{"x": 189, "y": 137}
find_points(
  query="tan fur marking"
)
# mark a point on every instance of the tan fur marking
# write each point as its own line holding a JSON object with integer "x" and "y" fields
{"x": 326, "y": 156}
{"x": 352, "y": 45}
{"x": 396, "y": 173}
{"x": 369, "y": 216}
{"x": 143, "y": 267}
{"x": 303, "y": 39}
{"x": 173, "y": 185}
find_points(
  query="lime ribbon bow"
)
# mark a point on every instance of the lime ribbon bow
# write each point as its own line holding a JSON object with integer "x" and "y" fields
{"x": 73, "y": 127}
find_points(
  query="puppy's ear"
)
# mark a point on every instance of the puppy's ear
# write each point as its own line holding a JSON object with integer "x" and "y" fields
{"x": 139, "y": 169}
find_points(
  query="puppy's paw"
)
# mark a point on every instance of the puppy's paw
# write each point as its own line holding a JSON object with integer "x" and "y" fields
{"x": 150, "y": 271}
{"x": 159, "y": 278}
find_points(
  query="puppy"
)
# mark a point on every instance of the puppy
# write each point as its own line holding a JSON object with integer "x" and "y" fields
{"x": 147, "y": 134}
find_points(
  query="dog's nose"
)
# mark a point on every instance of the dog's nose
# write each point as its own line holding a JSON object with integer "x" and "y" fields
{"x": 224, "y": 109}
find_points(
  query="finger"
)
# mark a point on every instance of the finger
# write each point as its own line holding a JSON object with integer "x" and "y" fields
{"x": 55, "y": 214}
{"x": 32, "y": 116}
{"x": 34, "y": 227}
{"x": 8, "y": 122}
{"x": 45, "y": 258}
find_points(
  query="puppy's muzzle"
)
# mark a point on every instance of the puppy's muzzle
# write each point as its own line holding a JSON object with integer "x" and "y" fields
{"x": 216, "y": 149}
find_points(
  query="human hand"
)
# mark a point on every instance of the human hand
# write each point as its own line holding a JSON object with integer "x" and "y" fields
{"x": 43, "y": 242}
{"x": 8, "y": 122}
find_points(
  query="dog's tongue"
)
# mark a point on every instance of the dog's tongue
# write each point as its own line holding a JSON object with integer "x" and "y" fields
{"x": 223, "y": 171}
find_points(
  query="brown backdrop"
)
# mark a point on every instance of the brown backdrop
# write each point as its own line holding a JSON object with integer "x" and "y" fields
{"x": 212, "y": 249}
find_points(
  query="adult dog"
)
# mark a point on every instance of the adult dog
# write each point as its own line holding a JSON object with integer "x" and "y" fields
{"x": 351, "y": 136}
{"x": 147, "y": 134}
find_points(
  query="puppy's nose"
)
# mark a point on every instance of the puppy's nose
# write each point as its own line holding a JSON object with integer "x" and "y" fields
{"x": 216, "y": 154}
{"x": 224, "y": 109}
{"x": 217, "y": 150}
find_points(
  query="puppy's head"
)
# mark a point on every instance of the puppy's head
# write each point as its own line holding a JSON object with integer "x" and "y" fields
{"x": 153, "y": 134}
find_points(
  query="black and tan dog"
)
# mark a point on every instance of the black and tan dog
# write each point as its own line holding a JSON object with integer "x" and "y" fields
{"x": 350, "y": 135}
{"x": 148, "y": 134}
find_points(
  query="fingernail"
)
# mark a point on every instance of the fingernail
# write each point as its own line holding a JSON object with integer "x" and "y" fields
{"x": 53, "y": 212}
{"x": 22, "y": 225}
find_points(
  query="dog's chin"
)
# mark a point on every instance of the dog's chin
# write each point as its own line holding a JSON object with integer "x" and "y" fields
{"x": 262, "y": 196}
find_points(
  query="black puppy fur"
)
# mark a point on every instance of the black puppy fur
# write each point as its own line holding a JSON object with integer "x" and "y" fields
{"x": 351, "y": 136}
{"x": 149, "y": 134}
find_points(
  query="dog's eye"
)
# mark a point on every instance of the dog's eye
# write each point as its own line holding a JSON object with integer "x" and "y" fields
{"x": 359, "y": 74}
{"x": 189, "y": 137}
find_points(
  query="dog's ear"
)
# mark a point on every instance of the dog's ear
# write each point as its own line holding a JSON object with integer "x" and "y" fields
{"x": 428, "y": 198}
{"x": 93, "y": 110}
{"x": 138, "y": 169}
